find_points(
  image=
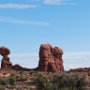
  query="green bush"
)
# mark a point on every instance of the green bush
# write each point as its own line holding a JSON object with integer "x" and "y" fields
{"x": 61, "y": 81}
{"x": 69, "y": 81}
{"x": 44, "y": 81}
{"x": 2, "y": 87}
{"x": 40, "y": 81}
{"x": 3, "y": 81}
{"x": 12, "y": 79}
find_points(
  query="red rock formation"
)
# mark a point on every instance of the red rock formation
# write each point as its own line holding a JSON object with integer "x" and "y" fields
{"x": 50, "y": 58}
{"x": 5, "y": 63}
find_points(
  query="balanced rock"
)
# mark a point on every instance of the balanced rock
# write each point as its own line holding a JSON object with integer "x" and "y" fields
{"x": 50, "y": 58}
{"x": 5, "y": 63}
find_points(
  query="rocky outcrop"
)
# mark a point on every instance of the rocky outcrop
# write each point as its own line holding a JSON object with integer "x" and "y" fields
{"x": 80, "y": 70}
{"x": 5, "y": 63}
{"x": 17, "y": 67}
{"x": 50, "y": 58}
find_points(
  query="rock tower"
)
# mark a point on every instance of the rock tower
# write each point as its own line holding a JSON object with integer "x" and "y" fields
{"x": 50, "y": 58}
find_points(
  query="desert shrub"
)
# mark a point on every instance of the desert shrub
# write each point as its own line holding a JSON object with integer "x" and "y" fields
{"x": 69, "y": 81}
{"x": 12, "y": 79}
{"x": 40, "y": 81}
{"x": 7, "y": 81}
{"x": 2, "y": 87}
{"x": 44, "y": 81}
{"x": 3, "y": 81}
{"x": 79, "y": 81}
{"x": 59, "y": 81}
{"x": 21, "y": 77}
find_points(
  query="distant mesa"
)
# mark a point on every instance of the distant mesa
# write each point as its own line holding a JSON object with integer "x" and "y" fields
{"x": 50, "y": 59}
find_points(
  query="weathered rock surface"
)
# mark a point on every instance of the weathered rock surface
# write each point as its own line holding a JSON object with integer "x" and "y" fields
{"x": 50, "y": 58}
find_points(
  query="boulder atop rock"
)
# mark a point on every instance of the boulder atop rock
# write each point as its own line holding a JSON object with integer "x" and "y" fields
{"x": 4, "y": 51}
{"x": 50, "y": 58}
{"x": 57, "y": 51}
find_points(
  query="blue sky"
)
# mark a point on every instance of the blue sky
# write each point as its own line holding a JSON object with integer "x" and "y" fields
{"x": 25, "y": 24}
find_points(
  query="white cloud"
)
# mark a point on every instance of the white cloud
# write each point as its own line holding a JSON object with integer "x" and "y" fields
{"x": 25, "y": 22}
{"x": 59, "y": 2}
{"x": 17, "y": 6}
{"x": 52, "y": 1}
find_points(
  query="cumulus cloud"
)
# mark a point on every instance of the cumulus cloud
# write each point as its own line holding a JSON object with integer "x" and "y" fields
{"x": 25, "y": 22}
{"x": 17, "y": 6}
